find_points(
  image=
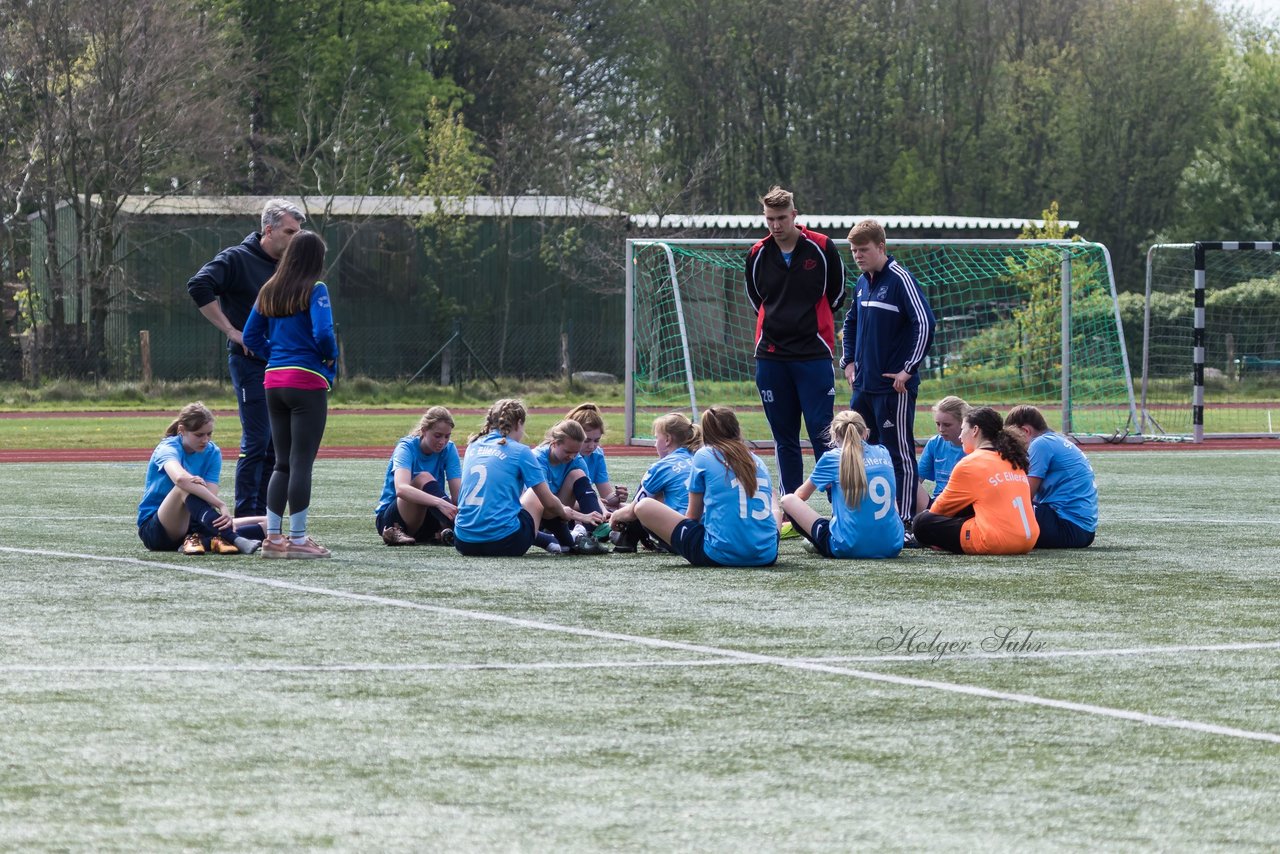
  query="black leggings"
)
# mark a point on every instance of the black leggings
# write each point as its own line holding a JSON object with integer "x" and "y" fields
{"x": 932, "y": 529}
{"x": 297, "y": 426}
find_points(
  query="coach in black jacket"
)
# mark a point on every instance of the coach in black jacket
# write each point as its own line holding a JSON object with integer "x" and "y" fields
{"x": 795, "y": 281}
{"x": 225, "y": 290}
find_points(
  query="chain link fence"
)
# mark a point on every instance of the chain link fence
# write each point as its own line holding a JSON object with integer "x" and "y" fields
{"x": 514, "y": 298}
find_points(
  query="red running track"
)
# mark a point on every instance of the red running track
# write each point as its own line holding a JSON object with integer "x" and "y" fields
{"x": 141, "y": 455}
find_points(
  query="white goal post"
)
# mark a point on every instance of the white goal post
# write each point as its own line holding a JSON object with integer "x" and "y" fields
{"x": 1005, "y": 334}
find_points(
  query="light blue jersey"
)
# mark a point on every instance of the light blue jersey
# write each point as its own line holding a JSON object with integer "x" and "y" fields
{"x": 937, "y": 461}
{"x": 444, "y": 466}
{"x": 597, "y": 468}
{"x": 206, "y": 464}
{"x": 494, "y": 476}
{"x": 740, "y": 529}
{"x": 553, "y": 474}
{"x": 1066, "y": 480}
{"x": 873, "y": 529}
{"x": 669, "y": 477}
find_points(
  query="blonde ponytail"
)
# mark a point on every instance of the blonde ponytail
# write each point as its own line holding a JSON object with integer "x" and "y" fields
{"x": 847, "y": 431}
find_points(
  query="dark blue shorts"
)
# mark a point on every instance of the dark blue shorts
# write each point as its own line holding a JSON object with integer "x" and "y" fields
{"x": 390, "y": 515}
{"x": 821, "y": 537}
{"x": 1058, "y": 533}
{"x": 687, "y": 539}
{"x": 155, "y": 537}
{"x": 512, "y": 545}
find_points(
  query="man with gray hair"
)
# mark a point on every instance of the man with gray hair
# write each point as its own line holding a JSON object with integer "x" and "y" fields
{"x": 225, "y": 290}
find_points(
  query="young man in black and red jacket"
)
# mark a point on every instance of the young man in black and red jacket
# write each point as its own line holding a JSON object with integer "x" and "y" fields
{"x": 795, "y": 281}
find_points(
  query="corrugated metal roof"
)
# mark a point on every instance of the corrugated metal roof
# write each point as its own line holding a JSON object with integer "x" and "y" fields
{"x": 544, "y": 206}
{"x": 388, "y": 206}
{"x": 829, "y": 221}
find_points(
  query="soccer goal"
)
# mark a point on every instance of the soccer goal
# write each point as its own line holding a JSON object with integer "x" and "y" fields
{"x": 1005, "y": 334}
{"x": 1210, "y": 340}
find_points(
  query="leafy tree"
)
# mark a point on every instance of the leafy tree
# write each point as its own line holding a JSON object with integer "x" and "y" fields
{"x": 1231, "y": 189}
{"x": 1143, "y": 93}
{"x": 106, "y": 103}
{"x": 335, "y": 93}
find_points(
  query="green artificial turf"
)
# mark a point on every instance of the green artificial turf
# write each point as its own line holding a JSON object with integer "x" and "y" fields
{"x": 411, "y": 699}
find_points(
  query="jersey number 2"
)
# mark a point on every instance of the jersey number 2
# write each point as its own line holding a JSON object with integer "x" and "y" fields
{"x": 472, "y": 495}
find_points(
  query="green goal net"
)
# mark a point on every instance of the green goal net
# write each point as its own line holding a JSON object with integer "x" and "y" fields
{"x": 1240, "y": 355}
{"x": 999, "y": 339}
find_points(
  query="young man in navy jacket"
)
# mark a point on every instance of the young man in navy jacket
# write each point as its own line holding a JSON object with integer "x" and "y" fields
{"x": 795, "y": 282}
{"x": 225, "y": 290}
{"x": 887, "y": 333}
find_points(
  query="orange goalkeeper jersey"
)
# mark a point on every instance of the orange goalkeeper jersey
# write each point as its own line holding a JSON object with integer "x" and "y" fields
{"x": 1003, "y": 522}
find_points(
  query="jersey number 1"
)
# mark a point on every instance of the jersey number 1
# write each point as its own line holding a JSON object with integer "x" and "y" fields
{"x": 1021, "y": 507}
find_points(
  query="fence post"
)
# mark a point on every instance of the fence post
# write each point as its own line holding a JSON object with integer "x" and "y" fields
{"x": 144, "y": 349}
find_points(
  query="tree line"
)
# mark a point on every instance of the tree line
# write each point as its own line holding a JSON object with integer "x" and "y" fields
{"x": 1144, "y": 119}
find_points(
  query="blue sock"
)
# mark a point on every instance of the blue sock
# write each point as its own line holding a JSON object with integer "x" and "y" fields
{"x": 542, "y": 539}
{"x": 297, "y": 525}
{"x": 202, "y": 516}
{"x": 585, "y": 493}
{"x": 274, "y": 524}
{"x": 436, "y": 488}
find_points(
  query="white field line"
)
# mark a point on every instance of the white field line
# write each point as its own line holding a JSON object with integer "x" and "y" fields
{"x": 358, "y": 668}
{"x": 378, "y": 667}
{"x": 659, "y": 643}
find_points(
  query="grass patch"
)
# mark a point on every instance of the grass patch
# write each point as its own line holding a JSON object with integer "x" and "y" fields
{"x": 546, "y": 703}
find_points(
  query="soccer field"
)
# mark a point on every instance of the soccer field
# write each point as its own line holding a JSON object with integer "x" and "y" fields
{"x": 408, "y": 699}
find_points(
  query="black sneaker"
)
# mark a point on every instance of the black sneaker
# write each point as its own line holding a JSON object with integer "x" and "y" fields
{"x": 909, "y": 541}
{"x": 588, "y": 545}
{"x": 446, "y": 537}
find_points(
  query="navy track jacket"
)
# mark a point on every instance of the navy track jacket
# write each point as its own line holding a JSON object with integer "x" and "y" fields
{"x": 889, "y": 328}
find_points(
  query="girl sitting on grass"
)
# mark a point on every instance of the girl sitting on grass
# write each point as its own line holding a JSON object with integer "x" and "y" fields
{"x": 676, "y": 438}
{"x": 414, "y": 507}
{"x": 567, "y": 477}
{"x": 180, "y": 508}
{"x": 986, "y": 507}
{"x": 942, "y": 451}
{"x": 731, "y": 519}
{"x": 859, "y": 481}
{"x": 588, "y": 415}
{"x": 504, "y": 492}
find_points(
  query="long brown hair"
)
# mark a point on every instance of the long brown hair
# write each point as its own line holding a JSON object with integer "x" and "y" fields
{"x": 191, "y": 418}
{"x": 288, "y": 291}
{"x": 504, "y": 416}
{"x": 848, "y": 429}
{"x": 677, "y": 427}
{"x": 566, "y": 429}
{"x": 433, "y": 416}
{"x": 1026, "y": 415}
{"x": 588, "y": 415}
{"x": 1009, "y": 442}
{"x": 720, "y": 431}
